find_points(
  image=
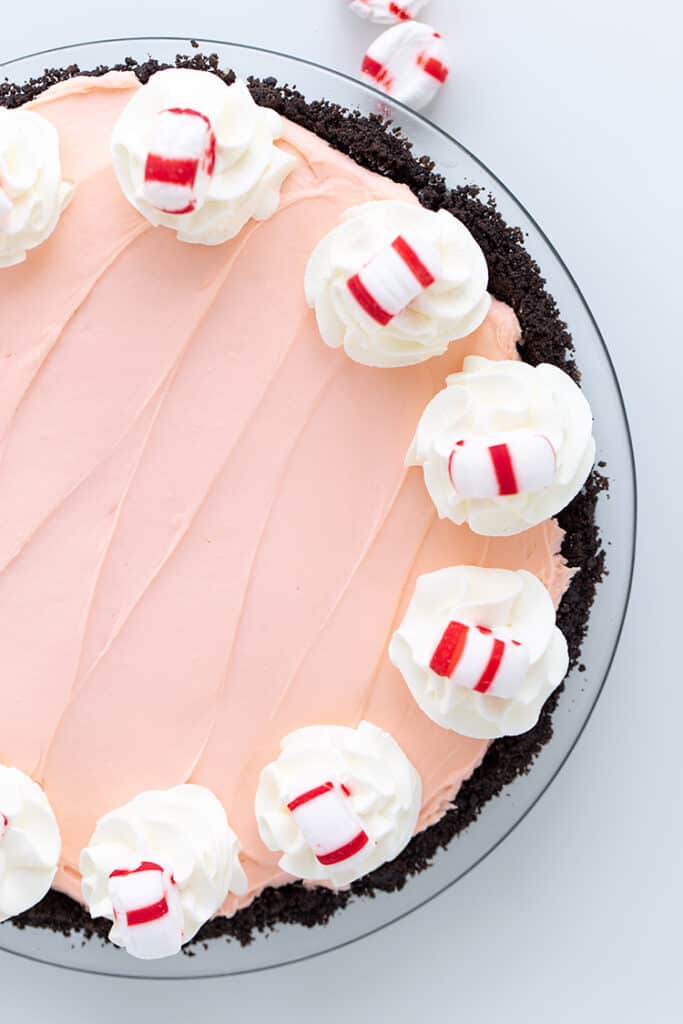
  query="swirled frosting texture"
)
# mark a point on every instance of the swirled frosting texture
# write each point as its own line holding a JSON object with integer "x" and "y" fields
{"x": 184, "y": 830}
{"x": 192, "y": 511}
{"x": 249, "y": 168}
{"x": 451, "y": 308}
{"x": 495, "y": 598}
{"x": 489, "y": 397}
{"x": 32, "y": 192}
{"x": 385, "y": 794}
{"x": 29, "y": 843}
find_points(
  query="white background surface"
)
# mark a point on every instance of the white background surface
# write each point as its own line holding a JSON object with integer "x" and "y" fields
{"x": 576, "y": 917}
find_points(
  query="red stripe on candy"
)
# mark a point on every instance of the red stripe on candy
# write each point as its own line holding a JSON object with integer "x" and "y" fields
{"x": 450, "y": 649}
{"x": 186, "y": 209}
{"x": 345, "y": 851}
{"x": 399, "y": 12}
{"x": 366, "y": 301}
{"x": 310, "y": 794}
{"x": 190, "y": 112}
{"x": 434, "y": 67}
{"x": 503, "y": 468}
{"x": 413, "y": 262}
{"x": 491, "y": 670}
{"x": 210, "y": 155}
{"x": 143, "y": 915}
{"x": 145, "y": 865}
{"x": 371, "y": 66}
{"x": 171, "y": 170}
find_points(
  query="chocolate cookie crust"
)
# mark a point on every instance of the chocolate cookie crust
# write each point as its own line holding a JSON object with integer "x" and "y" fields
{"x": 514, "y": 278}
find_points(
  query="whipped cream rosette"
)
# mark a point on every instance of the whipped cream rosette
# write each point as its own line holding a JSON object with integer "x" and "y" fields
{"x": 159, "y": 867}
{"x": 32, "y": 191}
{"x": 479, "y": 650}
{"x": 29, "y": 843}
{"x": 395, "y": 284}
{"x": 505, "y": 445}
{"x": 338, "y": 802}
{"x": 198, "y": 156}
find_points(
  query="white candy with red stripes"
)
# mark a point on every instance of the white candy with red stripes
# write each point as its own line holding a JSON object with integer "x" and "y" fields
{"x": 395, "y": 283}
{"x": 479, "y": 650}
{"x": 329, "y": 824}
{"x": 199, "y": 157}
{"x": 148, "y": 914}
{"x": 394, "y": 277}
{"x": 386, "y": 12}
{"x": 337, "y": 802}
{"x": 505, "y": 445}
{"x": 159, "y": 867}
{"x": 481, "y": 659}
{"x": 180, "y": 161}
{"x": 514, "y": 462}
{"x": 408, "y": 62}
{"x": 30, "y": 844}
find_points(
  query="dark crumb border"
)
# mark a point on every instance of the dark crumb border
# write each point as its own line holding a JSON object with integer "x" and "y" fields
{"x": 514, "y": 278}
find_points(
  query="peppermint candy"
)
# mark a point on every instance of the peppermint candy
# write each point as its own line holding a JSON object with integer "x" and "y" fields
{"x": 329, "y": 824}
{"x": 394, "y": 277}
{"x": 147, "y": 910}
{"x": 409, "y": 62}
{"x": 180, "y": 161}
{"x": 481, "y": 660}
{"x": 386, "y": 12}
{"x": 518, "y": 462}
{"x": 4, "y": 823}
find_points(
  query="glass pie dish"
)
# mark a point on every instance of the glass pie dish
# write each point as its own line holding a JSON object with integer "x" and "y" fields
{"x": 616, "y": 519}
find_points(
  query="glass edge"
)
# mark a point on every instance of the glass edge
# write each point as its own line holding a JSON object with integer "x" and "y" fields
{"x": 633, "y": 484}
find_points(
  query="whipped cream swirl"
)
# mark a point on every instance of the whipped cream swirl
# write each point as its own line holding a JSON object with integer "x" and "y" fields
{"x": 488, "y": 399}
{"x": 186, "y": 832}
{"x": 248, "y": 171}
{"x": 382, "y": 787}
{"x": 453, "y": 306}
{"x": 29, "y": 843}
{"x": 32, "y": 192}
{"x": 509, "y": 603}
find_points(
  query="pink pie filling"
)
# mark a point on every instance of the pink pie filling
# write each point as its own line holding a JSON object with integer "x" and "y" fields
{"x": 207, "y": 533}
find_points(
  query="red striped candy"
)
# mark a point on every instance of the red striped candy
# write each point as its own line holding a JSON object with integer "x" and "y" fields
{"x": 408, "y": 62}
{"x": 393, "y": 278}
{"x": 478, "y": 659}
{"x": 180, "y": 161}
{"x": 386, "y": 12}
{"x": 329, "y": 824}
{"x": 147, "y": 910}
{"x": 518, "y": 462}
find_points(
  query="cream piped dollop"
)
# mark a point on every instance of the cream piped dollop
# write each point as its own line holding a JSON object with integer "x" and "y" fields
{"x": 382, "y": 788}
{"x": 513, "y": 604}
{"x": 30, "y": 843}
{"x": 186, "y": 832}
{"x": 32, "y": 192}
{"x": 486, "y": 400}
{"x": 453, "y": 306}
{"x": 248, "y": 171}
